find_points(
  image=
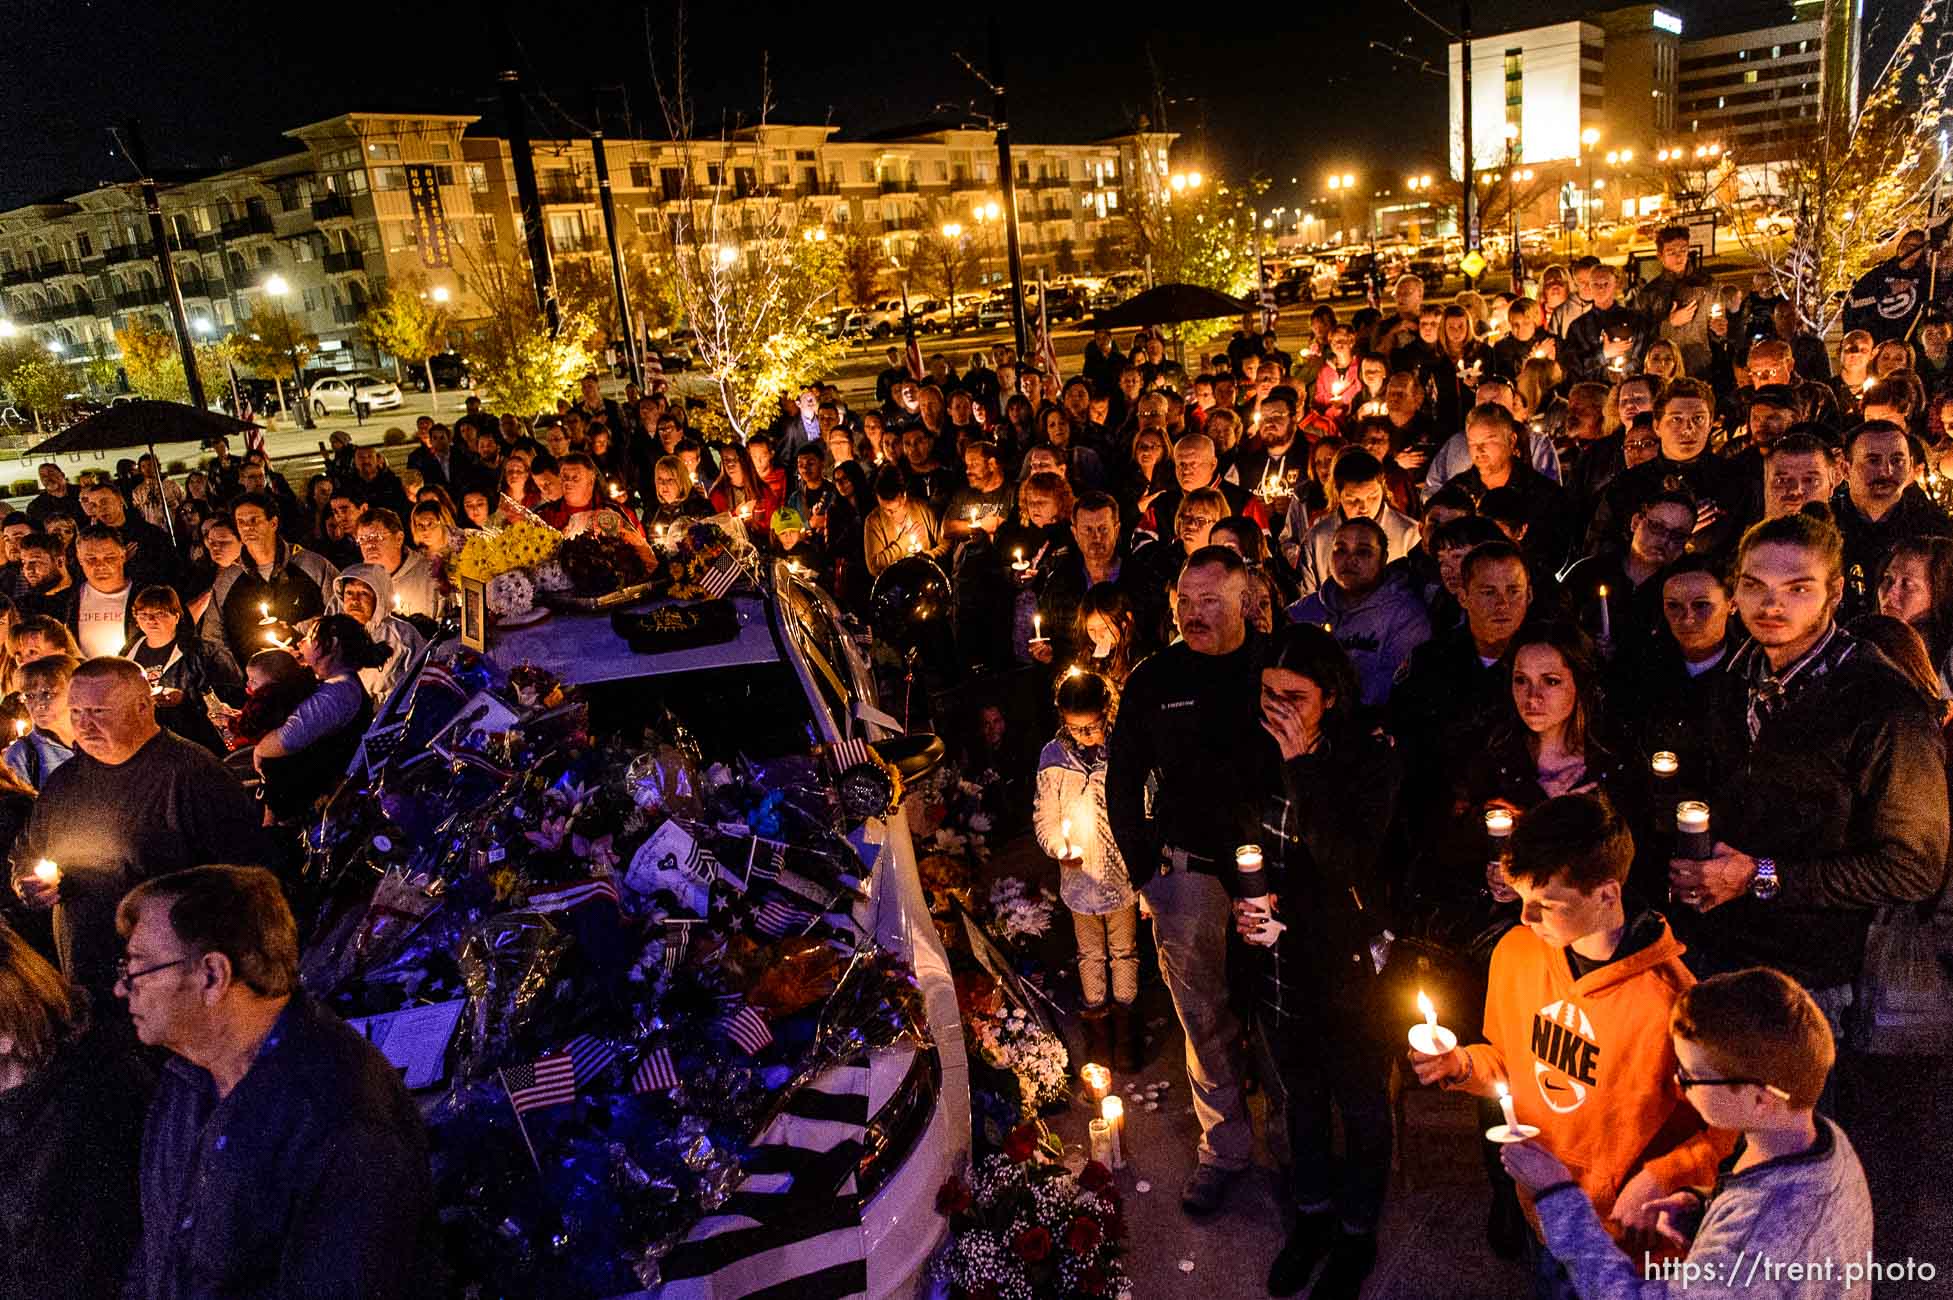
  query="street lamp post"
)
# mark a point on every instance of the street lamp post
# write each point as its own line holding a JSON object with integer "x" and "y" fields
{"x": 1344, "y": 184}
{"x": 277, "y": 287}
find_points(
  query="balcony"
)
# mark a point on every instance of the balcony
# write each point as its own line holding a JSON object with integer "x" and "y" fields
{"x": 898, "y": 185}
{"x": 82, "y": 308}
{"x": 333, "y": 207}
{"x": 345, "y": 314}
{"x": 902, "y": 223}
{"x": 18, "y": 275}
{"x": 564, "y": 192}
{"x": 824, "y": 189}
{"x": 254, "y": 223}
{"x": 114, "y": 254}
{"x": 147, "y": 296}
{"x": 584, "y": 243}
{"x": 58, "y": 267}
{"x": 343, "y": 263}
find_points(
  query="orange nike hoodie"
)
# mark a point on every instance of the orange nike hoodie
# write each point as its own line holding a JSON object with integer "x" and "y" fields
{"x": 1590, "y": 1063}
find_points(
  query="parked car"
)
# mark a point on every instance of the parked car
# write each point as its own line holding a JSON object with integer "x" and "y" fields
{"x": 1775, "y": 223}
{"x": 1355, "y": 276}
{"x": 450, "y": 371}
{"x": 994, "y": 312}
{"x": 884, "y": 318}
{"x": 335, "y": 393}
{"x": 1434, "y": 264}
{"x": 1065, "y": 302}
{"x": 794, "y": 671}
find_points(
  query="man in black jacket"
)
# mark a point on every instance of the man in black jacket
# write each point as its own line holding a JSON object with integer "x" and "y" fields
{"x": 1189, "y": 728}
{"x": 1888, "y": 298}
{"x": 281, "y": 1156}
{"x": 1606, "y": 343}
{"x": 1682, "y": 418}
{"x": 1878, "y": 505}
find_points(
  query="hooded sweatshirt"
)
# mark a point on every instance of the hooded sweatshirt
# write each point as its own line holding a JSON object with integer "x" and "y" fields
{"x": 1810, "y": 1207}
{"x": 1590, "y": 1063}
{"x": 1378, "y": 630}
{"x": 399, "y": 636}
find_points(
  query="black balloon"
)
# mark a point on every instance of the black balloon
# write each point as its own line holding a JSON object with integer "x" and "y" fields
{"x": 910, "y": 598}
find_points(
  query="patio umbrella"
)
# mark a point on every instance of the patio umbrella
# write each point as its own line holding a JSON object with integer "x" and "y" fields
{"x": 1171, "y": 304}
{"x": 142, "y": 424}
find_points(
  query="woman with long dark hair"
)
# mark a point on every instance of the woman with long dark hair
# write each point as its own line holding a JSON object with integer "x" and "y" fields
{"x": 1915, "y": 584}
{"x": 1332, "y": 794}
{"x": 1106, "y": 633}
{"x": 741, "y": 492}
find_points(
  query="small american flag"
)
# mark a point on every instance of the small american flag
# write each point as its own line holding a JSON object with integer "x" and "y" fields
{"x": 678, "y": 938}
{"x": 916, "y": 371}
{"x": 562, "y": 900}
{"x": 719, "y": 579}
{"x": 589, "y": 1056}
{"x": 548, "y": 1082}
{"x": 655, "y": 1073}
{"x": 852, "y": 752}
{"x": 776, "y": 918}
{"x": 747, "y": 1029}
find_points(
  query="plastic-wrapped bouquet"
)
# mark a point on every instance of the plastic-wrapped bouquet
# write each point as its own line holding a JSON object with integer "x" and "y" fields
{"x": 1014, "y": 1040}
{"x": 1024, "y": 1228}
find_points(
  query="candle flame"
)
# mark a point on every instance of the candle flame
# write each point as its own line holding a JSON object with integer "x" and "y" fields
{"x": 1503, "y": 1091}
{"x": 46, "y": 871}
{"x": 1424, "y": 1006}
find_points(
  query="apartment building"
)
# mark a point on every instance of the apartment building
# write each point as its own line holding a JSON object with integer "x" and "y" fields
{"x": 369, "y": 200}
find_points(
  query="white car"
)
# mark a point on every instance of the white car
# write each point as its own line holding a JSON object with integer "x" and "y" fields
{"x": 335, "y": 394}
{"x": 795, "y": 661}
{"x": 1775, "y": 223}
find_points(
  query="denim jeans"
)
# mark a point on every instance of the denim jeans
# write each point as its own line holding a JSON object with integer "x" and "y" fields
{"x": 1191, "y": 920}
{"x": 1325, "y": 1055}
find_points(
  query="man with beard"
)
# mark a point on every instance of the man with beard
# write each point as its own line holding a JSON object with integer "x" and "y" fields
{"x": 1878, "y": 505}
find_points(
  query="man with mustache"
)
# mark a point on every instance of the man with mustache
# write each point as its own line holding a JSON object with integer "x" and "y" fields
{"x": 1181, "y": 729}
{"x": 1878, "y": 505}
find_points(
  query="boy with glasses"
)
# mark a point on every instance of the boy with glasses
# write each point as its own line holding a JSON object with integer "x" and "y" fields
{"x": 1752, "y": 1052}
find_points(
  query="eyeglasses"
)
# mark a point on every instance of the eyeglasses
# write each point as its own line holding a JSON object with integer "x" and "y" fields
{"x": 126, "y": 978}
{"x": 1684, "y": 1082}
{"x": 1662, "y": 532}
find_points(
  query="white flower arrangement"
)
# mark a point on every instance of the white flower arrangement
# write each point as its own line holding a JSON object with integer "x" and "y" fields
{"x": 1017, "y": 913}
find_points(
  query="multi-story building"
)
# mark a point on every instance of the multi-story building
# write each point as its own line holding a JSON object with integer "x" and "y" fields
{"x": 1753, "y": 92}
{"x": 372, "y": 200}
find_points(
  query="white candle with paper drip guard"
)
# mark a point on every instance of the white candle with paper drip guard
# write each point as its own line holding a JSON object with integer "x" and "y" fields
{"x": 1066, "y": 849}
{"x": 1018, "y": 563}
{"x": 1251, "y": 887}
{"x": 1431, "y": 1038}
{"x": 264, "y": 615}
{"x": 1037, "y": 630}
{"x": 1512, "y": 1130}
{"x": 1112, "y": 1113}
{"x": 1100, "y": 1133}
{"x": 47, "y": 872}
{"x": 20, "y": 728}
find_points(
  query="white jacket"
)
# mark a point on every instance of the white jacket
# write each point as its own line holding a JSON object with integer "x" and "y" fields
{"x": 1070, "y": 789}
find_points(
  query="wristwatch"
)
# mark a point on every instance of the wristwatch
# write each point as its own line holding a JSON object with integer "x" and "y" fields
{"x": 1764, "y": 883}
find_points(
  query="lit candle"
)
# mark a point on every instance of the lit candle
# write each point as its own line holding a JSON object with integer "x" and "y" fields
{"x": 20, "y": 728}
{"x": 1098, "y": 1081}
{"x": 745, "y": 510}
{"x": 1606, "y": 619}
{"x": 1505, "y": 1106}
{"x": 1431, "y": 1038}
{"x": 47, "y": 872}
{"x": 1664, "y": 763}
{"x": 1101, "y": 1139}
{"x": 396, "y": 604}
{"x": 1037, "y": 629}
{"x": 1018, "y": 563}
{"x": 616, "y": 490}
{"x": 1113, "y": 1112}
{"x": 1498, "y": 823}
{"x": 1692, "y": 839}
{"x": 264, "y": 614}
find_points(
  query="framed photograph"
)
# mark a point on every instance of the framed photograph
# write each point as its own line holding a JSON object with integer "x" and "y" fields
{"x": 481, "y": 717}
{"x": 474, "y": 614}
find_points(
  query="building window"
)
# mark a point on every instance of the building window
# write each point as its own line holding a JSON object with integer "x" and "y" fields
{"x": 383, "y": 152}
{"x": 478, "y": 178}
{"x": 443, "y": 151}
{"x": 485, "y": 226}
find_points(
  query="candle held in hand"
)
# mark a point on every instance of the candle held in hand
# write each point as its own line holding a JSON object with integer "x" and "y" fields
{"x": 1606, "y": 618}
{"x": 1692, "y": 837}
{"x": 1505, "y": 1106}
{"x": 47, "y": 872}
{"x": 1431, "y": 1038}
{"x": 1498, "y": 822}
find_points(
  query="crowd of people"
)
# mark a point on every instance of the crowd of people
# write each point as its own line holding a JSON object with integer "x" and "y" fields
{"x": 1441, "y": 611}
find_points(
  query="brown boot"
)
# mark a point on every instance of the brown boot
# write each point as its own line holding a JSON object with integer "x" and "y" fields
{"x": 1096, "y": 1030}
{"x": 1128, "y": 1039}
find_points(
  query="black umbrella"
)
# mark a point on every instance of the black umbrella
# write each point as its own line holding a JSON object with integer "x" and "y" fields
{"x": 1170, "y": 304}
{"x": 142, "y": 424}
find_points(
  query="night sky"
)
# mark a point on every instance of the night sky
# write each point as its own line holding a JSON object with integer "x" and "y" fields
{"x": 214, "y": 83}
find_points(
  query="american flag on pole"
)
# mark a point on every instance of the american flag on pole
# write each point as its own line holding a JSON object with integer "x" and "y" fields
{"x": 1047, "y": 353}
{"x": 562, "y": 900}
{"x": 678, "y": 939}
{"x": 550, "y": 1081}
{"x": 746, "y": 1028}
{"x": 908, "y": 328}
{"x": 719, "y": 579}
{"x": 776, "y": 918}
{"x": 589, "y": 1057}
{"x": 655, "y": 1073}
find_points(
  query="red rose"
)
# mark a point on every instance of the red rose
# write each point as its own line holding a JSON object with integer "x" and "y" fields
{"x": 1094, "y": 1176}
{"x": 1092, "y": 1281}
{"x": 1084, "y": 1235}
{"x": 953, "y": 1197}
{"x": 1021, "y": 1142}
{"x": 1032, "y": 1244}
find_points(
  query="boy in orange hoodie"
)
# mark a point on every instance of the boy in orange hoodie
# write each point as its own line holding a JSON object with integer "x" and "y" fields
{"x": 1577, "y": 1012}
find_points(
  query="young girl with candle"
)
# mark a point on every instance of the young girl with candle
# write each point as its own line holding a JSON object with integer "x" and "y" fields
{"x": 1068, "y": 816}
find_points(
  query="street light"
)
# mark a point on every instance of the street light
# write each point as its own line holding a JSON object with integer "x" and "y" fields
{"x": 441, "y": 293}
{"x": 1588, "y": 138}
{"x": 952, "y": 230}
{"x": 276, "y": 286}
{"x": 728, "y": 255}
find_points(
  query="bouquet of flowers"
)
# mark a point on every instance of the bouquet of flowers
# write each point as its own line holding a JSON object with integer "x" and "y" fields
{"x": 1025, "y": 1228}
{"x": 700, "y": 561}
{"x": 1013, "y": 1040}
{"x": 506, "y": 560}
{"x": 1017, "y": 914}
